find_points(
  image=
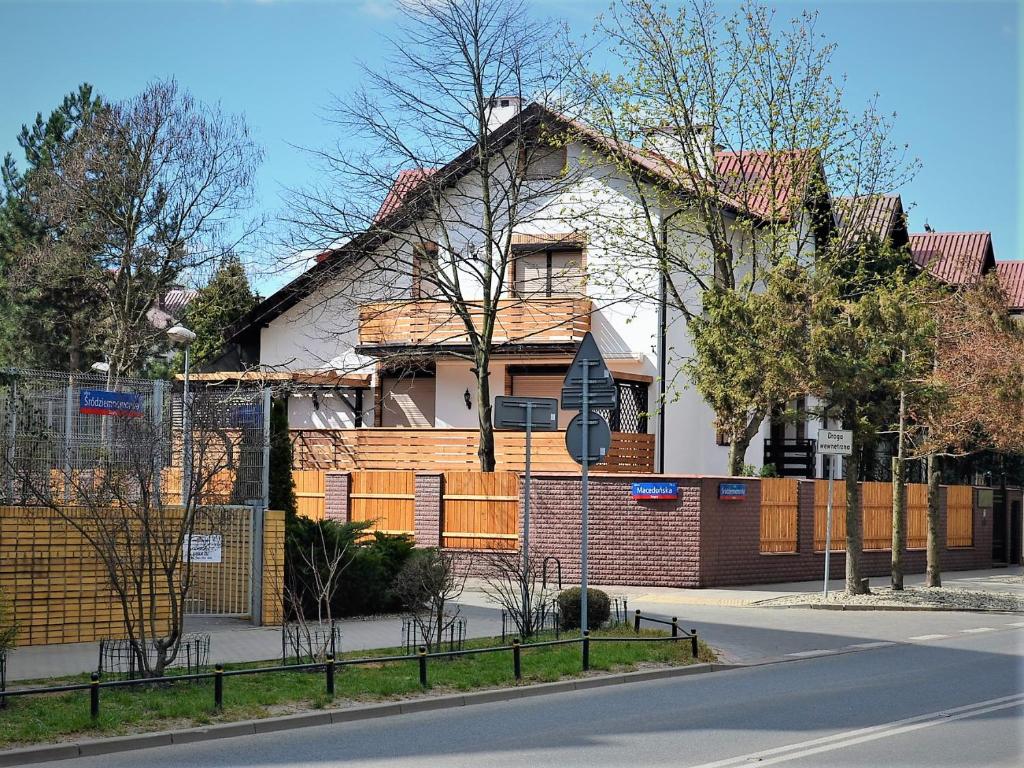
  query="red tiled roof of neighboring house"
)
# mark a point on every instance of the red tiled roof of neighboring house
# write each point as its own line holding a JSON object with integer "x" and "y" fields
{"x": 404, "y": 183}
{"x": 953, "y": 257}
{"x": 880, "y": 215}
{"x": 768, "y": 184}
{"x": 1011, "y": 278}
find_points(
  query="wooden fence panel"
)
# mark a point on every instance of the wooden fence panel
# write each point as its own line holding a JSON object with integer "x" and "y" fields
{"x": 917, "y": 515}
{"x": 388, "y": 499}
{"x": 779, "y": 515}
{"x": 959, "y": 516}
{"x": 481, "y": 510}
{"x": 838, "y": 515}
{"x": 876, "y": 507}
{"x": 309, "y": 493}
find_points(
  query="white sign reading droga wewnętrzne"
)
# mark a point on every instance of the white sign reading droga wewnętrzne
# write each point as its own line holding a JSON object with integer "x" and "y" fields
{"x": 835, "y": 442}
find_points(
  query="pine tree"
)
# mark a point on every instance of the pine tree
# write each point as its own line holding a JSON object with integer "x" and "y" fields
{"x": 282, "y": 486}
{"x": 216, "y": 307}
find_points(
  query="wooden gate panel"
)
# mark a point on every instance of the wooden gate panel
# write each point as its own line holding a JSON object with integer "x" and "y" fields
{"x": 481, "y": 510}
{"x": 386, "y": 498}
{"x": 778, "y": 515}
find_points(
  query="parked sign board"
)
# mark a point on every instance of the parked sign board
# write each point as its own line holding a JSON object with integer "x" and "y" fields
{"x": 835, "y": 442}
{"x": 101, "y": 402}
{"x": 202, "y": 548}
{"x": 732, "y": 491}
{"x": 511, "y": 413}
{"x": 648, "y": 491}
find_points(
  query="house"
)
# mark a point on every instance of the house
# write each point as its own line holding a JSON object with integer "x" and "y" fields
{"x": 404, "y": 392}
{"x": 1011, "y": 278}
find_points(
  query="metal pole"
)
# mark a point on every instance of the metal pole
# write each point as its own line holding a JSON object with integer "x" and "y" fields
{"x": 186, "y": 439}
{"x": 527, "y": 623}
{"x": 265, "y": 468}
{"x": 69, "y": 400}
{"x": 585, "y": 494}
{"x": 157, "y": 414}
{"x": 828, "y": 521}
{"x": 12, "y": 436}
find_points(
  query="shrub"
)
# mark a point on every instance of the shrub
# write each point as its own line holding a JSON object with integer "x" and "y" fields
{"x": 8, "y": 629}
{"x": 599, "y": 608}
{"x": 769, "y": 470}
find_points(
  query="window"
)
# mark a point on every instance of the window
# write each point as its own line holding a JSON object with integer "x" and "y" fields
{"x": 540, "y": 161}
{"x": 552, "y": 273}
{"x": 424, "y": 269}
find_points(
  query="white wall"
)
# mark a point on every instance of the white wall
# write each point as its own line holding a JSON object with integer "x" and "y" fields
{"x": 333, "y": 413}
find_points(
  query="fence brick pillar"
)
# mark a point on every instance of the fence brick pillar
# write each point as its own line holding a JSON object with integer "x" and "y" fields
{"x": 427, "y": 509}
{"x": 337, "y": 487}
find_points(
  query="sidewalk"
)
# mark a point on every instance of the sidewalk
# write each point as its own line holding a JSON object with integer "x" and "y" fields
{"x": 234, "y": 640}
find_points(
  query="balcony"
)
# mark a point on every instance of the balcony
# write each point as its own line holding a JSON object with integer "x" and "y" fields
{"x": 432, "y": 323}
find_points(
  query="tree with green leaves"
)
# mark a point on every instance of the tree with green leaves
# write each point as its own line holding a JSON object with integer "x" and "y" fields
{"x": 216, "y": 307}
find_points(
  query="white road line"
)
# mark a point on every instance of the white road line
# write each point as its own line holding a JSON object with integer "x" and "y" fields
{"x": 978, "y": 629}
{"x": 817, "y": 652}
{"x": 851, "y": 738}
{"x": 878, "y": 644}
{"x": 929, "y": 637}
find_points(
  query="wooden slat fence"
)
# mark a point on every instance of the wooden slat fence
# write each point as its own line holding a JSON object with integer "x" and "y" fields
{"x": 959, "y": 516}
{"x": 917, "y": 515}
{"x": 388, "y": 499}
{"x": 779, "y": 515}
{"x": 838, "y": 515}
{"x": 481, "y": 510}
{"x": 309, "y": 493}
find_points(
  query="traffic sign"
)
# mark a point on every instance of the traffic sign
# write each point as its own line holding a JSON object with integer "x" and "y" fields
{"x": 589, "y": 364}
{"x": 512, "y": 413}
{"x": 599, "y": 438}
{"x": 835, "y": 442}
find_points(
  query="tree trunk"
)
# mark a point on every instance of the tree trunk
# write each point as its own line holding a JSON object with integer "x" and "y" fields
{"x": 899, "y": 520}
{"x": 483, "y": 407}
{"x": 739, "y": 443}
{"x": 934, "y": 571}
{"x": 854, "y": 538}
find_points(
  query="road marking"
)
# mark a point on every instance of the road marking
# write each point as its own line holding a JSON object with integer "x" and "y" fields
{"x": 878, "y": 644}
{"x": 1016, "y": 624}
{"x": 860, "y": 735}
{"x": 818, "y": 652}
{"x": 929, "y": 637}
{"x": 978, "y": 629}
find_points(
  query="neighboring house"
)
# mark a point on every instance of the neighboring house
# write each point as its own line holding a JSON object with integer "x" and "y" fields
{"x": 1011, "y": 277}
{"x": 169, "y": 308}
{"x": 393, "y": 355}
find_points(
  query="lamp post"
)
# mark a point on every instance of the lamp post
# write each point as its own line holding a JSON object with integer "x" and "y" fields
{"x": 183, "y": 337}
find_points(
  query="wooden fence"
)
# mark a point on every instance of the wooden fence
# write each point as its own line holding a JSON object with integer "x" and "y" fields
{"x": 480, "y": 510}
{"x": 309, "y": 493}
{"x": 779, "y": 515}
{"x": 959, "y": 516}
{"x": 444, "y": 450}
{"x": 388, "y": 499}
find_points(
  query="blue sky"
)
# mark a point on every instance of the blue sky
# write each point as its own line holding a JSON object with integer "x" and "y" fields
{"x": 951, "y": 70}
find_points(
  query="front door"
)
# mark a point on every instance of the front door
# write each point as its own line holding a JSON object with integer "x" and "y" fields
{"x": 999, "y": 537}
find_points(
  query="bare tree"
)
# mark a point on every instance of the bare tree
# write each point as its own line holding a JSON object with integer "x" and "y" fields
{"x": 745, "y": 138}
{"x": 461, "y": 170}
{"x": 315, "y": 584}
{"x": 516, "y": 584}
{"x": 148, "y": 191}
{"x": 428, "y": 585}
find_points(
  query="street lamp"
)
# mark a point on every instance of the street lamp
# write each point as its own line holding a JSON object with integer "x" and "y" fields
{"x": 183, "y": 337}
{"x": 100, "y": 367}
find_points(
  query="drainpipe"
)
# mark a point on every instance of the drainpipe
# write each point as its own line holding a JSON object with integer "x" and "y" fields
{"x": 662, "y": 343}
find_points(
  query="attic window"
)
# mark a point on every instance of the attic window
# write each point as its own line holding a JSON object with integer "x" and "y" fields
{"x": 542, "y": 161}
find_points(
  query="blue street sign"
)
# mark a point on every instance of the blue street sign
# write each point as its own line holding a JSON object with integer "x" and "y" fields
{"x": 102, "y": 402}
{"x": 655, "y": 491}
{"x": 732, "y": 491}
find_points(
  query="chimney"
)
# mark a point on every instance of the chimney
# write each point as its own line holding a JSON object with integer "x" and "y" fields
{"x": 501, "y": 109}
{"x": 666, "y": 141}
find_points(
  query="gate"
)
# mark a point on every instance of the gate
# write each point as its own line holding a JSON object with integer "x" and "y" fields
{"x": 222, "y": 562}
{"x": 385, "y": 498}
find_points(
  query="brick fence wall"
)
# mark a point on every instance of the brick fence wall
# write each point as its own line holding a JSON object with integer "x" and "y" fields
{"x": 696, "y": 540}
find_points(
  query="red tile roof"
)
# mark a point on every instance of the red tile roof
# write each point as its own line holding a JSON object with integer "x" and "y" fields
{"x": 1011, "y": 278}
{"x": 769, "y": 184}
{"x": 405, "y": 182}
{"x": 953, "y": 257}
{"x": 881, "y": 215}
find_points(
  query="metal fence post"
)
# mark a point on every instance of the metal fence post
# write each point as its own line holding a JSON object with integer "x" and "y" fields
{"x": 329, "y": 670}
{"x": 12, "y": 436}
{"x": 218, "y": 687}
{"x": 586, "y": 650}
{"x": 636, "y": 621}
{"x": 517, "y": 666}
{"x": 69, "y": 424}
{"x": 258, "y": 513}
{"x": 423, "y": 665}
{"x": 675, "y": 627}
{"x": 157, "y": 414}
{"x": 693, "y": 643}
{"x": 94, "y": 695}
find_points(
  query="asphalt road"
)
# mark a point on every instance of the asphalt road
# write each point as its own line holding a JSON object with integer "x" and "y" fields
{"x": 955, "y": 700}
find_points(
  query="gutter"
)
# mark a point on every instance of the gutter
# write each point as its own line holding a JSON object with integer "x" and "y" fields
{"x": 662, "y": 342}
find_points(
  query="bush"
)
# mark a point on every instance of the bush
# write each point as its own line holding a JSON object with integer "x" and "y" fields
{"x": 368, "y": 567}
{"x": 599, "y": 608}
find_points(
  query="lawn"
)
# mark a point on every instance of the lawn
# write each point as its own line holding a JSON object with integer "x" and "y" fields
{"x": 57, "y": 717}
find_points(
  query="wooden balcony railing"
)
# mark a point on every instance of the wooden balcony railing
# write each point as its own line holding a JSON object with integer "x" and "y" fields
{"x": 453, "y": 449}
{"x": 431, "y": 322}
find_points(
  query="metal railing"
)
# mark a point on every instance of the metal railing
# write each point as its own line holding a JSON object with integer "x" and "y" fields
{"x": 330, "y": 666}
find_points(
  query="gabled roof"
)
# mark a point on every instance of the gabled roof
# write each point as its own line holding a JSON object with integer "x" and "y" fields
{"x": 880, "y": 215}
{"x": 404, "y": 183}
{"x": 768, "y": 184}
{"x": 957, "y": 258}
{"x": 1011, "y": 278}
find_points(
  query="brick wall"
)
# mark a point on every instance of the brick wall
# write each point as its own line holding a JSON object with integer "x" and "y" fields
{"x": 427, "y": 509}
{"x": 337, "y": 486}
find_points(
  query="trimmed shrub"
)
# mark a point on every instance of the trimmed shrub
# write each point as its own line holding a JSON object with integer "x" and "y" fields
{"x": 599, "y": 608}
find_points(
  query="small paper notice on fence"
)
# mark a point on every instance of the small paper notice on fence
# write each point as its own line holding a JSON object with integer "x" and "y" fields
{"x": 204, "y": 548}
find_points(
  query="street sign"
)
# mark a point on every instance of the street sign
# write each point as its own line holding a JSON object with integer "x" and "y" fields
{"x": 512, "y": 413}
{"x": 835, "y": 442}
{"x": 101, "y": 402}
{"x": 599, "y": 438}
{"x": 654, "y": 491}
{"x": 601, "y": 390}
{"x": 732, "y": 491}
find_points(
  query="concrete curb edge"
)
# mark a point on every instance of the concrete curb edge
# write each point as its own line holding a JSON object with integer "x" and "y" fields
{"x": 91, "y": 747}
{"x": 928, "y": 608}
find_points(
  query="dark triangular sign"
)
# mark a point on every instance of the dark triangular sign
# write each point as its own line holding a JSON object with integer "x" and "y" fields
{"x": 588, "y": 363}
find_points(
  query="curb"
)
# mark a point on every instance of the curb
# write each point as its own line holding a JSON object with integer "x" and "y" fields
{"x": 931, "y": 608}
{"x": 67, "y": 751}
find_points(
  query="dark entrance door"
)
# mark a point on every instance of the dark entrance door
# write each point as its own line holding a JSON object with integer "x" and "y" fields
{"x": 999, "y": 537}
{"x": 1015, "y": 532}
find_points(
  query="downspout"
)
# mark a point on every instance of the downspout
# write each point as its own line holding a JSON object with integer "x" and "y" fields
{"x": 662, "y": 341}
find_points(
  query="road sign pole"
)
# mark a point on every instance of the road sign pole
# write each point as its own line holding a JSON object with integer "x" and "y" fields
{"x": 526, "y": 522}
{"x": 585, "y": 494}
{"x": 828, "y": 520}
